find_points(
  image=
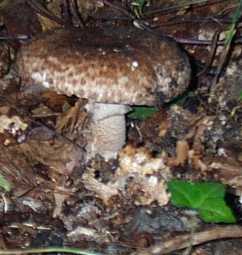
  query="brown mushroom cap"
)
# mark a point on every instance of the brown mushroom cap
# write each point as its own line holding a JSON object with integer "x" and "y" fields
{"x": 131, "y": 69}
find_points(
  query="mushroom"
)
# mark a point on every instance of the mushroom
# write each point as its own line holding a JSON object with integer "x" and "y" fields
{"x": 112, "y": 70}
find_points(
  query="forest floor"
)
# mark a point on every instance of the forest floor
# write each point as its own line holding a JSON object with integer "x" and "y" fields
{"x": 176, "y": 185}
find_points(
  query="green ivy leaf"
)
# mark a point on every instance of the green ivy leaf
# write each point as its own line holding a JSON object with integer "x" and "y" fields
{"x": 206, "y": 197}
{"x": 240, "y": 95}
{"x": 4, "y": 184}
{"x": 142, "y": 112}
{"x": 216, "y": 210}
{"x": 184, "y": 193}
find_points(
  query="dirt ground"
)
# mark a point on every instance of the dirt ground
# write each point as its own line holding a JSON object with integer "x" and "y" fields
{"x": 60, "y": 183}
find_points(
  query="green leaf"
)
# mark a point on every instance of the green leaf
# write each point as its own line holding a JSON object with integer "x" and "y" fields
{"x": 4, "y": 184}
{"x": 216, "y": 210}
{"x": 142, "y": 112}
{"x": 206, "y": 197}
{"x": 184, "y": 193}
{"x": 240, "y": 95}
{"x": 190, "y": 194}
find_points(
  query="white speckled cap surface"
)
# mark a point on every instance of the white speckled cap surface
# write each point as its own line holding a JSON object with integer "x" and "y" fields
{"x": 133, "y": 69}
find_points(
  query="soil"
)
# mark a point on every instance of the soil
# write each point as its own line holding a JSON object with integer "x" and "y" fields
{"x": 54, "y": 195}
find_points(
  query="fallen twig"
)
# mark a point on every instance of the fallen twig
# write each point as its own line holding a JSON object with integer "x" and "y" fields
{"x": 175, "y": 8}
{"x": 47, "y": 250}
{"x": 212, "y": 53}
{"x": 44, "y": 12}
{"x": 184, "y": 241}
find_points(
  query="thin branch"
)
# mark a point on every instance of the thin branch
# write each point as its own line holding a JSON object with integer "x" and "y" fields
{"x": 119, "y": 8}
{"x": 44, "y": 12}
{"x": 212, "y": 53}
{"x": 204, "y": 42}
{"x": 177, "y": 7}
{"x": 47, "y": 250}
{"x": 184, "y": 241}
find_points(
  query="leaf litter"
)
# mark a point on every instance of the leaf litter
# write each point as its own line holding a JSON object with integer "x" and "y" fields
{"x": 52, "y": 196}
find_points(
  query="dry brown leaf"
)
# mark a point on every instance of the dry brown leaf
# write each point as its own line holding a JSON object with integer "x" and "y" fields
{"x": 182, "y": 149}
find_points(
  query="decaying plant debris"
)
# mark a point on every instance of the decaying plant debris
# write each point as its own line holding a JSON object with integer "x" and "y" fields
{"x": 62, "y": 197}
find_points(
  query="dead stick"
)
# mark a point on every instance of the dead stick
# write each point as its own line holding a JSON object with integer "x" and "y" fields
{"x": 183, "y": 241}
{"x": 44, "y": 12}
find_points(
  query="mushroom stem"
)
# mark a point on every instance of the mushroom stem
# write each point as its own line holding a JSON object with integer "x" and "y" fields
{"x": 108, "y": 129}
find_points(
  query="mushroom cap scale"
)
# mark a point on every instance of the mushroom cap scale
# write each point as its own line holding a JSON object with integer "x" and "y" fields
{"x": 130, "y": 70}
